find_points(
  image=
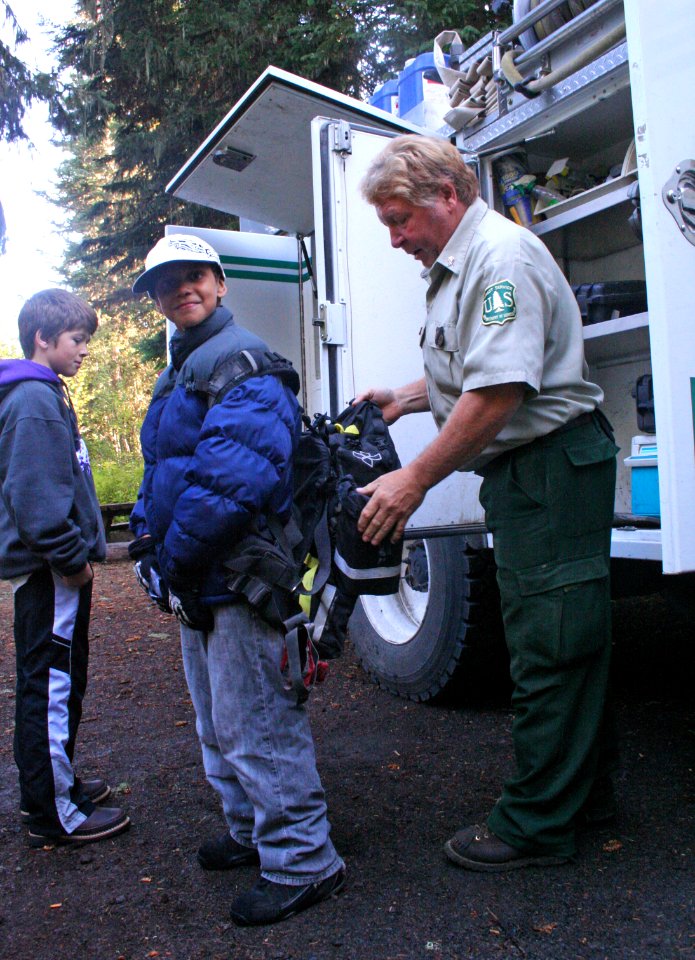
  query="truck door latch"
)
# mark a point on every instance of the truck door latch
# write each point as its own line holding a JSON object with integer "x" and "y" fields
{"x": 331, "y": 322}
{"x": 342, "y": 137}
{"x": 678, "y": 195}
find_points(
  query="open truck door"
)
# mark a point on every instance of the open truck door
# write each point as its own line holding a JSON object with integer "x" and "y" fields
{"x": 291, "y": 153}
{"x": 371, "y": 308}
{"x": 257, "y": 164}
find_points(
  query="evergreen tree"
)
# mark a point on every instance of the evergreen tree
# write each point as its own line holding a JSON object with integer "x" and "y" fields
{"x": 19, "y": 88}
{"x": 153, "y": 78}
{"x": 150, "y": 79}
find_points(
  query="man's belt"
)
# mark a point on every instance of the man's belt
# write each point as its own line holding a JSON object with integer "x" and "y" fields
{"x": 579, "y": 421}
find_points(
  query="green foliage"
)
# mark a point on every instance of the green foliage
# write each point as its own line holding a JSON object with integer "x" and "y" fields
{"x": 113, "y": 389}
{"x": 412, "y": 25}
{"x": 149, "y": 80}
{"x": 116, "y": 481}
{"x": 19, "y": 86}
{"x": 153, "y": 78}
{"x": 10, "y": 350}
{"x": 153, "y": 347}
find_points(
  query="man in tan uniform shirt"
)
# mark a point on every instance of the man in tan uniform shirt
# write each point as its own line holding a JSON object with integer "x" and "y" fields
{"x": 506, "y": 381}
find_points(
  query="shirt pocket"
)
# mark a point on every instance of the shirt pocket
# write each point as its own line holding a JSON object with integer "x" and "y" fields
{"x": 443, "y": 337}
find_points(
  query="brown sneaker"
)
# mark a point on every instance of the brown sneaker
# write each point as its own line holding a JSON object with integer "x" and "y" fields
{"x": 104, "y": 822}
{"x": 475, "y": 848}
{"x": 95, "y": 790}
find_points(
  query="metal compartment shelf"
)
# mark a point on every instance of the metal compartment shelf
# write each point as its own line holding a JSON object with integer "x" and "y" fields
{"x": 591, "y": 233}
{"x": 625, "y": 338}
{"x": 586, "y": 204}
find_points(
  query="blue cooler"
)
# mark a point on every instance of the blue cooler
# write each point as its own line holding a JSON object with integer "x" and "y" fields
{"x": 385, "y": 97}
{"x": 413, "y": 80}
{"x": 644, "y": 467}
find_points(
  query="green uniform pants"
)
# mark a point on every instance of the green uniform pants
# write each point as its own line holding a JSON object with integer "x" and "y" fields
{"x": 549, "y": 505}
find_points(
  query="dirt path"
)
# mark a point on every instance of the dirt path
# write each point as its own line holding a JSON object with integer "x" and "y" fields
{"x": 399, "y": 777}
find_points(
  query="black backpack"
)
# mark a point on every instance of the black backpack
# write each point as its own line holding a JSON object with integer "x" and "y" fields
{"x": 306, "y": 575}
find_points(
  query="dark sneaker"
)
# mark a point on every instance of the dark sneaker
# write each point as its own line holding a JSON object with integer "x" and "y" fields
{"x": 95, "y": 790}
{"x": 270, "y": 902}
{"x": 224, "y": 853}
{"x": 600, "y": 807}
{"x": 475, "y": 848}
{"x": 104, "y": 822}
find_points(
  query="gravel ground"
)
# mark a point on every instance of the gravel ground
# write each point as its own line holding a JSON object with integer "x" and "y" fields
{"x": 400, "y": 777}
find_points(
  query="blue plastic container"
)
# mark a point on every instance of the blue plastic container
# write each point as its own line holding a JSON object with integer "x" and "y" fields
{"x": 412, "y": 80}
{"x": 644, "y": 466}
{"x": 385, "y": 97}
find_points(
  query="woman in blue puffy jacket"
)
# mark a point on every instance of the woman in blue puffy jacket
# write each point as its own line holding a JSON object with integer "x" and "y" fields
{"x": 209, "y": 472}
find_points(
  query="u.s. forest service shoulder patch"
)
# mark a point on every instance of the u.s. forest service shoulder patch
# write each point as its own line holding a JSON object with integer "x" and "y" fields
{"x": 499, "y": 303}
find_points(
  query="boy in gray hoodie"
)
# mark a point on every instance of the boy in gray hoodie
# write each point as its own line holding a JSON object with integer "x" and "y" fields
{"x": 50, "y": 532}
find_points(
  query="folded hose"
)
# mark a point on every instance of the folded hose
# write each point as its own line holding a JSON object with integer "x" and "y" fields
{"x": 532, "y": 88}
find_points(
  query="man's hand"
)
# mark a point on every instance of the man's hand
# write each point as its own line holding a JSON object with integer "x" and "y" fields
{"x": 84, "y": 576}
{"x": 476, "y": 419}
{"x": 412, "y": 398}
{"x": 385, "y": 399}
{"x": 189, "y": 609}
{"x": 393, "y": 498}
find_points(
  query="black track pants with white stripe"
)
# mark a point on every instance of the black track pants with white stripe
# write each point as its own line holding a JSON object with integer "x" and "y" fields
{"x": 51, "y": 637}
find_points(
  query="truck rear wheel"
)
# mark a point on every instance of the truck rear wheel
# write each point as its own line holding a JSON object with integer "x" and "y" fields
{"x": 442, "y": 632}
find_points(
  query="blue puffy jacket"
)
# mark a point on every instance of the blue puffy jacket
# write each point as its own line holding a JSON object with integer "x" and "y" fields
{"x": 210, "y": 471}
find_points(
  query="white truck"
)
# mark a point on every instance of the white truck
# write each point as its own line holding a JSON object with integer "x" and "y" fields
{"x": 611, "y": 83}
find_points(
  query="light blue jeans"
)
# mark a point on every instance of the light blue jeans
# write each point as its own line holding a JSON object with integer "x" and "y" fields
{"x": 258, "y": 751}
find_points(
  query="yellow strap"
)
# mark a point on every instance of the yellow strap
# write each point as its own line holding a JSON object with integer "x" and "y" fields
{"x": 312, "y": 564}
{"x": 351, "y": 429}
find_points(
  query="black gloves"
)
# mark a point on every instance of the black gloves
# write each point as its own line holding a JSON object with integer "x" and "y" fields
{"x": 146, "y": 572}
{"x": 189, "y": 609}
{"x": 180, "y": 597}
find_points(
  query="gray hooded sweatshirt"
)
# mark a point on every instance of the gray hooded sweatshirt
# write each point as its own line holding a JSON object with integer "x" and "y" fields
{"x": 49, "y": 512}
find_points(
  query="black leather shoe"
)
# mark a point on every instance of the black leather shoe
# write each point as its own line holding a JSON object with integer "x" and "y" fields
{"x": 224, "y": 853}
{"x": 95, "y": 790}
{"x": 104, "y": 822}
{"x": 475, "y": 848}
{"x": 270, "y": 902}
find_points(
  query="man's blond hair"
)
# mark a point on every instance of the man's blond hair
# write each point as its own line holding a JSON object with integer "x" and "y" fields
{"x": 415, "y": 169}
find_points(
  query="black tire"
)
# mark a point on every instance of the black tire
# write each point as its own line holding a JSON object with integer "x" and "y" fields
{"x": 442, "y": 633}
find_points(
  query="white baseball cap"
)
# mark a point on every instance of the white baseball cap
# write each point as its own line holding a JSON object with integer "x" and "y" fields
{"x": 173, "y": 248}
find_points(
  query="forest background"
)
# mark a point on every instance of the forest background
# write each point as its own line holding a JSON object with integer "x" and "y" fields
{"x": 137, "y": 85}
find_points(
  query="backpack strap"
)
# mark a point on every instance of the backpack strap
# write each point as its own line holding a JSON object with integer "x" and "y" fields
{"x": 297, "y": 641}
{"x": 322, "y": 547}
{"x": 264, "y": 573}
{"x": 241, "y": 366}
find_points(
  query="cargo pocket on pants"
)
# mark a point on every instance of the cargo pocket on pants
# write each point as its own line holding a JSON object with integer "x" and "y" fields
{"x": 570, "y": 603}
{"x": 589, "y": 506}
